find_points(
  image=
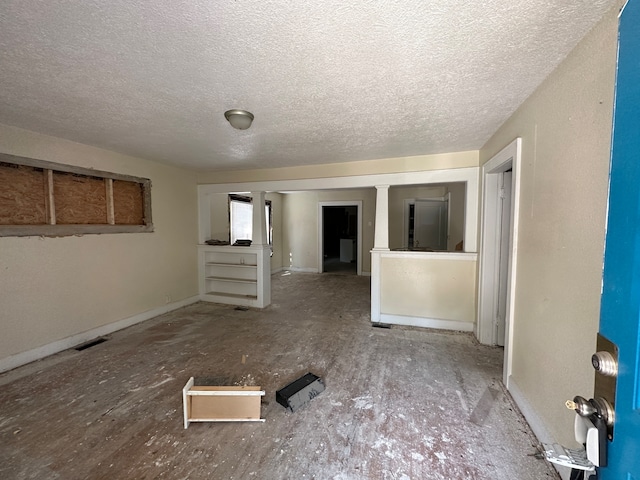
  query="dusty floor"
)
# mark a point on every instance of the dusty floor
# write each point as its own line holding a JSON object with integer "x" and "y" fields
{"x": 400, "y": 403}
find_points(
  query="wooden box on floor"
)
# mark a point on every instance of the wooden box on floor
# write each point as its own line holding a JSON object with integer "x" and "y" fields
{"x": 207, "y": 403}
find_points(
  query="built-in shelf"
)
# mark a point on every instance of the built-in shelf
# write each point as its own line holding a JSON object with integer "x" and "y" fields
{"x": 231, "y": 279}
{"x": 253, "y": 265}
{"x": 232, "y": 295}
{"x": 235, "y": 275}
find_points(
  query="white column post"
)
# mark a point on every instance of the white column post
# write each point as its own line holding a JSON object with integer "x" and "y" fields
{"x": 259, "y": 239}
{"x": 381, "y": 237}
{"x": 259, "y": 236}
{"x": 380, "y": 245}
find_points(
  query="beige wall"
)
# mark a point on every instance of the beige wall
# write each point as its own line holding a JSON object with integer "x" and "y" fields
{"x": 420, "y": 285}
{"x": 565, "y": 128}
{"x": 53, "y": 288}
{"x": 220, "y": 229}
{"x": 300, "y": 225}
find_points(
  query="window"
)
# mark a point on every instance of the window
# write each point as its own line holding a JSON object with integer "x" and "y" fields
{"x": 51, "y": 199}
{"x": 241, "y": 218}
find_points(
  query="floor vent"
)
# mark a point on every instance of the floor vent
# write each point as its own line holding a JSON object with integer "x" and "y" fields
{"x": 380, "y": 325}
{"x": 91, "y": 343}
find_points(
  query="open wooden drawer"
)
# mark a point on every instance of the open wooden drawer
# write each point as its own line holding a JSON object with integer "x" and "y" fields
{"x": 207, "y": 403}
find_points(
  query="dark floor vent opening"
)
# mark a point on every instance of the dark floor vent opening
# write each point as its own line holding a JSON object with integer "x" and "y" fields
{"x": 91, "y": 343}
{"x": 380, "y": 325}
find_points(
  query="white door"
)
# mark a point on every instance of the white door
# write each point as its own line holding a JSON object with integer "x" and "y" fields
{"x": 430, "y": 224}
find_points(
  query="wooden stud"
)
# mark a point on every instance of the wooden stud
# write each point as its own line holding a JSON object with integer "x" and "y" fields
{"x": 111, "y": 217}
{"x": 50, "y": 205}
{"x": 61, "y": 167}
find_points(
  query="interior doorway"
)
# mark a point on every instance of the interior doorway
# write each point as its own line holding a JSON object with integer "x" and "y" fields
{"x": 426, "y": 223}
{"x": 339, "y": 239}
{"x": 498, "y": 243}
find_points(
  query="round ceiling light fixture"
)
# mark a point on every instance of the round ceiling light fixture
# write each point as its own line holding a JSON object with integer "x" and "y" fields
{"x": 240, "y": 119}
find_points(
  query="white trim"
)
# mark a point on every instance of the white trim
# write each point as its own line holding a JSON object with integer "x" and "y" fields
{"x": 29, "y": 356}
{"x": 338, "y": 203}
{"x": 508, "y": 157}
{"x": 538, "y": 427}
{"x": 226, "y": 393}
{"x": 376, "y": 285}
{"x": 467, "y": 175}
{"x": 460, "y": 256}
{"x": 423, "y": 322}
{"x": 218, "y": 420}
{"x": 185, "y": 403}
{"x": 302, "y": 269}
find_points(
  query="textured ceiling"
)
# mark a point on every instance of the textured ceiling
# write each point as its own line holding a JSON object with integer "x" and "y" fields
{"x": 328, "y": 81}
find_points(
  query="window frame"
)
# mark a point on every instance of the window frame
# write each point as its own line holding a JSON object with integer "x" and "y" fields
{"x": 49, "y": 230}
{"x": 246, "y": 199}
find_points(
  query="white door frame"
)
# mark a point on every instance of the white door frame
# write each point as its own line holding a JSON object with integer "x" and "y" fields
{"x": 351, "y": 203}
{"x": 508, "y": 158}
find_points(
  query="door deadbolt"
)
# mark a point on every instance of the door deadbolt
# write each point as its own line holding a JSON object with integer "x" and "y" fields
{"x": 605, "y": 364}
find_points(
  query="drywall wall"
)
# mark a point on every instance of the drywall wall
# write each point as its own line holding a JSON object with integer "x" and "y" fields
{"x": 432, "y": 286}
{"x": 300, "y": 225}
{"x": 416, "y": 163}
{"x": 54, "y": 288}
{"x": 219, "y": 217}
{"x": 565, "y": 128}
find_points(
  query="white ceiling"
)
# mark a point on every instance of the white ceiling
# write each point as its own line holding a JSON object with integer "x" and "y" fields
{"x": 328, "y": 81}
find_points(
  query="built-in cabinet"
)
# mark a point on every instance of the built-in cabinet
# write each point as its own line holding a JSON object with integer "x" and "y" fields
{"x": 235, "y": 275}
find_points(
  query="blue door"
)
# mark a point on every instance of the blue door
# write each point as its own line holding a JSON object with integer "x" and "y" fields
{"x": 620, "y": 311}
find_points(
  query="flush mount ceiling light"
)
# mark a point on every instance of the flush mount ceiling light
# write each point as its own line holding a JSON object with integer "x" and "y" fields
{"x": 240, "y": 119}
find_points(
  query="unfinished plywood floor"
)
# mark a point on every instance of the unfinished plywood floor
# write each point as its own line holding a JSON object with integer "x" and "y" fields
{"x": 399, "y": 404}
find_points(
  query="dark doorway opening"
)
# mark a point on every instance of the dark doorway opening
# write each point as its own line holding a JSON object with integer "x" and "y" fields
{"x": 340, "y": 239}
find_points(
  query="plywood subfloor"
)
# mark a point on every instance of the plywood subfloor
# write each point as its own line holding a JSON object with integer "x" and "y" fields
{"x": 400, "y": 403}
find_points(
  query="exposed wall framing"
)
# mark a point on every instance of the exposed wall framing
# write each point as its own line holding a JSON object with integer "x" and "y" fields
{"x": 51, "y": 199}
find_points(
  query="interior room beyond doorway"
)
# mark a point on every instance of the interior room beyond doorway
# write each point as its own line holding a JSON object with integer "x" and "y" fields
{"x": 340, "y": 239}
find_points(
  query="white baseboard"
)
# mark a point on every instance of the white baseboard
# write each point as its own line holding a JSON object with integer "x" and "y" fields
{"x": 538, "y": 427}
{"x": 29, "y": 356}
{"x": 308, "y": 270}
{"x": 277, "y": 270}
{"x": 302, "y": 269}
{"x": 426, "y": 322}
